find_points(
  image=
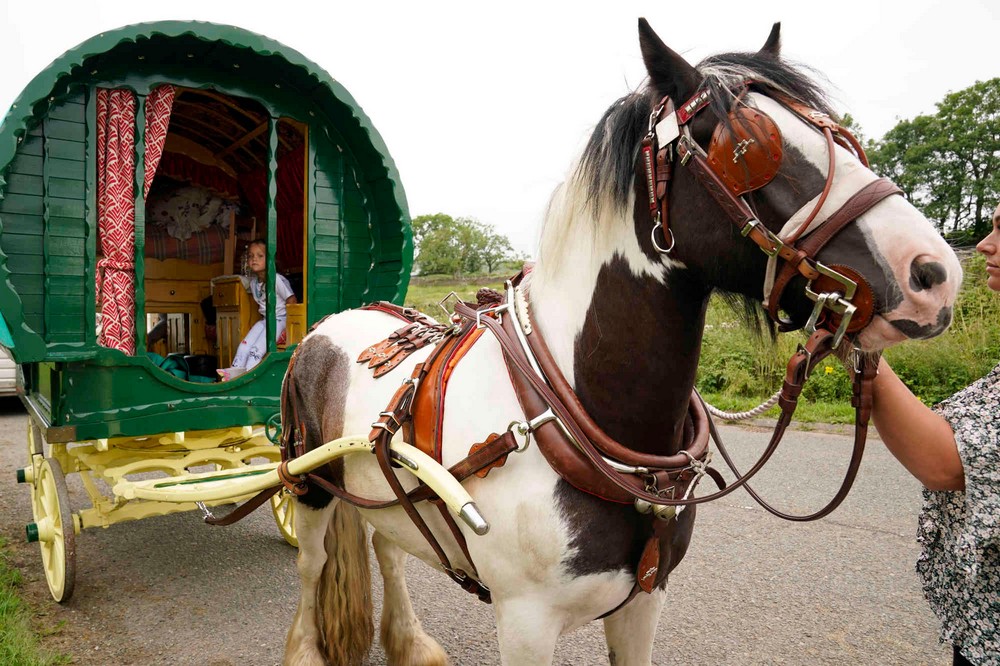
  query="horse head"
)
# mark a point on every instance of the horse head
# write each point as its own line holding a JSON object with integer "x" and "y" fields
{"x": 681, "y": 186}
{"x": 762, "y": 132}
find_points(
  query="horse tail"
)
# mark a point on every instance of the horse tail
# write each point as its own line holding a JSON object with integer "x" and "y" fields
{"x": 344, "y": 605}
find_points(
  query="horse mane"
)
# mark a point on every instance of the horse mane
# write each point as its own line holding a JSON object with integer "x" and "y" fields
{"x": 598, "y": 189}
{"x": 606, "y": 168}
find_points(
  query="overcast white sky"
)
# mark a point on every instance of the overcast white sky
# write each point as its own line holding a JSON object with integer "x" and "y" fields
{"x": 483, "y": 107}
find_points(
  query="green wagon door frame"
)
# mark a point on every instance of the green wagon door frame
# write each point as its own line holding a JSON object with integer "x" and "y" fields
{"x": 358, "y": 239}
{"x": 357, "y": 229}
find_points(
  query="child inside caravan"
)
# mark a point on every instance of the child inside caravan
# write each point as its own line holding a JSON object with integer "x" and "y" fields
{"x": 254, "y": 345}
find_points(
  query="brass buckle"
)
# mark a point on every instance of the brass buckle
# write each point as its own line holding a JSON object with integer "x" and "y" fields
{"x": 839, "y": 303}
{"x": 776, "y": 243}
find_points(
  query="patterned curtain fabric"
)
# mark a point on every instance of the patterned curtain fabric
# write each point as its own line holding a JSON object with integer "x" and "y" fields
{"x": 289, "y": 205}
{"x": 116, "y": 204}
{"x": 158, "y": 106}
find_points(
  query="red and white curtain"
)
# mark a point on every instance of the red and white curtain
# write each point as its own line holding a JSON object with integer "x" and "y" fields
{"x": 116, "y": 203}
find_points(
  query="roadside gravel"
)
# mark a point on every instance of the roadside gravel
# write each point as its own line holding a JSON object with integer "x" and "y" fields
{"x": 752, "y": 590}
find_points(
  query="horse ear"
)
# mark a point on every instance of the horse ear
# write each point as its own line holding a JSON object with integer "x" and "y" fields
{"x": 772, "y": 47}
{"x": 669, "y": 73}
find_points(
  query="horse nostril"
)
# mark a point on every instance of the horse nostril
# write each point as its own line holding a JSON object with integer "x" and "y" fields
{"x": 926, "y": 275}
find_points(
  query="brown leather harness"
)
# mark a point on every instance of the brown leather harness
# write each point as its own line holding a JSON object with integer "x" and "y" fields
{"x": 575, "y": 446}
{"x": 745, "y": 154}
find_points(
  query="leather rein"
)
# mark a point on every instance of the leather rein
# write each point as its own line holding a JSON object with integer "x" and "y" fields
{"x": 575, "y": 446}
{"x": 843, "y": 300}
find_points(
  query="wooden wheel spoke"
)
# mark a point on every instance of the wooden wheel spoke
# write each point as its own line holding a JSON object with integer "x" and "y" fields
{"x": 51, "y": 500}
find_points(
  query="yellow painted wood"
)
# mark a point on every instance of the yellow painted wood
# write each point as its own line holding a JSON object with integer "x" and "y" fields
{"x": 236, "y": 312}
{"x": 296, "y": 326}
{"x": 283, "y": 508}
{"x": 179, "y": 269}
{"x": 56, "y": 529}
{"x": 219, "y": 485}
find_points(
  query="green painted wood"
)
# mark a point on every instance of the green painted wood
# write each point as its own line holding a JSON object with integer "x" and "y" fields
{"x": 68, "y": 227}
{"x": 59, "y": 168}
{"x": 61, "y": 129}
{"x": 68, "y": 150}
{"x": 47, "y": 206}
{"x": 272, "y": 232}
{"x": 19, "y": 224}
{"x": 57, "y": 207}
{"x": 90, "y": 224}
{"x": 128, "y": 396}
{"x": 346, "y": 153}
{"x": 326, "y": 195}
{"x": 140, "y": 224}
{"x": 23, "y": 244}
{"x": 24, "y": 204}
{"x": 65, "y": 134}
{"x": 74, "y": 110}
{"x": 23, "y": 267}
{"x": 59, "y": 247}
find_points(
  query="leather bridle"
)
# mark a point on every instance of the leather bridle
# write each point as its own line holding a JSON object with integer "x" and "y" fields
{"x": 843, "y": 299}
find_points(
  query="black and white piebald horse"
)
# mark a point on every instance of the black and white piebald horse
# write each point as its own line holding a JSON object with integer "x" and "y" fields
{"x": 623, "y": 319}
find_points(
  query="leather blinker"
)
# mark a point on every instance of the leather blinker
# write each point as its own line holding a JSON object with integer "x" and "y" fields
{"x": 746, "y": 151}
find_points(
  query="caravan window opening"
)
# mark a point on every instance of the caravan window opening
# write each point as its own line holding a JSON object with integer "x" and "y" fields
{"x": 228, "y": 172}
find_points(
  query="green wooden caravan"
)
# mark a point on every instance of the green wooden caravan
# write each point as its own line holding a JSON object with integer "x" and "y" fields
{"x": 256, "y": 132}
{"x": 135, "y": 173}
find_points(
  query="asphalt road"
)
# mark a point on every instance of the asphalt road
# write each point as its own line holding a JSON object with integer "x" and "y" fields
{"x": 752, "y": 590}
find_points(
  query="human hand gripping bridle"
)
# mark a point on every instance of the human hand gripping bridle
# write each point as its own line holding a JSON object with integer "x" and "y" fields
{"x": 745, "y": 154}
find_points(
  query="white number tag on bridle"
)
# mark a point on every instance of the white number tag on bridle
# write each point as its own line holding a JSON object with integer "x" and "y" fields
{"x": 667, "y": 130}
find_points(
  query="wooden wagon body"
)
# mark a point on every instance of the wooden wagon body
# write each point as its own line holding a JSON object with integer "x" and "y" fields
{"x": 355, "y": 230}
{"x": 254, "y": 131}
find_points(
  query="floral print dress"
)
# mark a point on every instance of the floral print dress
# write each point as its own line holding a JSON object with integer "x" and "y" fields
{"x": 959, "y": 531}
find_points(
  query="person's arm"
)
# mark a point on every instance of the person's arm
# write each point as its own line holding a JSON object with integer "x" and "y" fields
{"x": 921, "y": 439}
{"x": 291, "y": 300}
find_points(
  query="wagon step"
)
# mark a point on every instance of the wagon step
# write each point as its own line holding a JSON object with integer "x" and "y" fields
{"x": 227, "y": 484}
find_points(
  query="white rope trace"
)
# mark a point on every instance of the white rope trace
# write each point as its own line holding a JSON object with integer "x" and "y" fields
{"x": 749, "y": 414}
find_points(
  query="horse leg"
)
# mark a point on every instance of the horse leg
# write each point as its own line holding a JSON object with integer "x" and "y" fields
{"x": 527, "y": 630}
{"x": 403, "y": 639}
{"x": 630, "y": 631}
{"x": 302, "y": 647}
{"x": 333, "y": 623}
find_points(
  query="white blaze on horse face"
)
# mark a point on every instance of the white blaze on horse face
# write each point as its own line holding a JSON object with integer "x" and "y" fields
{"x": 851, "y": 174}
{"x": 575, "y": 245}
{"x": 907, "y": 239}
{"x": 893, "y": 229}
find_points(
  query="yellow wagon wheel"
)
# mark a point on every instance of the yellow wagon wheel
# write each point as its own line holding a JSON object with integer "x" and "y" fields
{"x": 283, "y": 507}
{"x": 54, "y": 529}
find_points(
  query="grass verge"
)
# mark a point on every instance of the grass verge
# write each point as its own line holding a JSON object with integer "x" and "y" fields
{"x": 739, "y": 369}
{"x": 18, "y": 640}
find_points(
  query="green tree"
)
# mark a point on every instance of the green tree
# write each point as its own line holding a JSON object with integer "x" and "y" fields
{"x": 497, "y": 250}
{"x": 458, "y": 246}
{"x": 948, "y": 164}
{"x": 970, "y": 124}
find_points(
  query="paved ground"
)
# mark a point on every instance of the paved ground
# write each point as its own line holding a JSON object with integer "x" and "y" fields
{"x": 753, "y": 589}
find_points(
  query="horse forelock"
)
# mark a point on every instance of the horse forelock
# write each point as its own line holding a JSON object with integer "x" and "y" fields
{"x": 727, "y": 73}
{"x": 605, "y": 173}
